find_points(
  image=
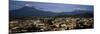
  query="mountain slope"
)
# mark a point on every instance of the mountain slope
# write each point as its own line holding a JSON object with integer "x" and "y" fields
{"x": 29, "y": 11}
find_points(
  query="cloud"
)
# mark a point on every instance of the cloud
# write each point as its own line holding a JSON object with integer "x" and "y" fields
{"x": 82, "y": 2}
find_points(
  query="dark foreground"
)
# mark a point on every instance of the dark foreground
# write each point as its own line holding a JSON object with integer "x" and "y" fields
{"x": 49, "y": 24}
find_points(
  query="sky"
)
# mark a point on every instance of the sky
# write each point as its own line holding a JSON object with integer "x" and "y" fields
{"x": 53, "y": 7}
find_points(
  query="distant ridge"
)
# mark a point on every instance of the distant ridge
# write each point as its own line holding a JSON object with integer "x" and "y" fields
{"x": 31, "y": 11}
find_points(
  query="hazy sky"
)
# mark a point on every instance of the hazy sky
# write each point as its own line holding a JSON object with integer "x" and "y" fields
{"x": 54, "y": 7}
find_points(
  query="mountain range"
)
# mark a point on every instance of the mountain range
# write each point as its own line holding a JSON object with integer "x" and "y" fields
{"x": 31, "y": 11}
